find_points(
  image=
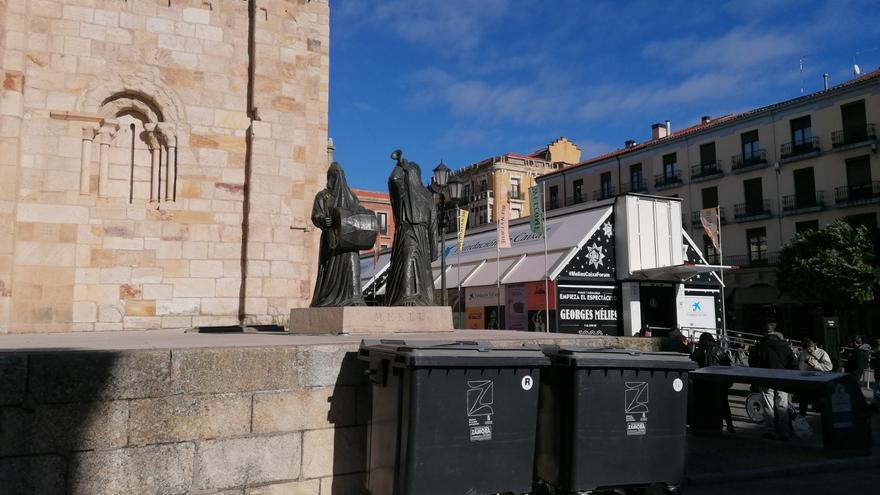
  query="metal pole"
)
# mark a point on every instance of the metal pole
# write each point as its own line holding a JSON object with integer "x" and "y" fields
{"x": 442, "y": 226}
{"x": 721, "y": 262}
{"x": 546, "y": 278}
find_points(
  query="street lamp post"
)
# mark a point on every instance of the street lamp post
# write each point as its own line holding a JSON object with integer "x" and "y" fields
{"x": 445, "y": 188}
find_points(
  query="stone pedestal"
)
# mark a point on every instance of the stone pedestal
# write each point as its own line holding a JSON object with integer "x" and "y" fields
{"x": 371, "y": 320}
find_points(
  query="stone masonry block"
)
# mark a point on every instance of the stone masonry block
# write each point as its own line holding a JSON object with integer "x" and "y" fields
{"x": 350, "y": 484}
{"x": 54, "y": 428}
{"x": 209, "y": 371}
{"x": 189, "y": 417}
{"x": 157, "y": 469}
{"x": 228, "y": 463}
{"x": 81, "y": 376}
{"x": 322, "y": 366}
{"x": 334, "y": 451}
{"x": 304, "y": 409}
{"x": 43, "y": 474}
{"x": 13, "y": 377}
{"x": 308, "y": 487}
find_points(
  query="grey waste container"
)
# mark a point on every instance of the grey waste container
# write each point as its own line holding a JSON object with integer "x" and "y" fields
{"x": 451, "y": 418}
{"x": 612, "y": 418}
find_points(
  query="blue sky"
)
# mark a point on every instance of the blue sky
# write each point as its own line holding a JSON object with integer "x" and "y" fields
{"x": 463, "y": 80}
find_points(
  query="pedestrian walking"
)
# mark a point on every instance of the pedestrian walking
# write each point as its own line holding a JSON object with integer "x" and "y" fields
{"x": 709, "y": 353}
{"x": 773, "y": 352}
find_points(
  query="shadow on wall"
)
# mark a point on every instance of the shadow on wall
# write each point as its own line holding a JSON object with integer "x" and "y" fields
{"x": 56, "y": 409}
{"x": 349, "y": 412}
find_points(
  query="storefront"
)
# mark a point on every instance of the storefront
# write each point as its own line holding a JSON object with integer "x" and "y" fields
{"x": 612, "y": 269}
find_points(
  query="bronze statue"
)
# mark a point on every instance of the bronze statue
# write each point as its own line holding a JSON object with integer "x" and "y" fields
{"x": 410, "y": 280}
{"x": 346, "y": 228}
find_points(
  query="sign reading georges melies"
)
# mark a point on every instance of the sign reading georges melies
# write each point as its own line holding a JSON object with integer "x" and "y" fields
{"x": 588, "y": 310}
{"x": 595, "y": 259}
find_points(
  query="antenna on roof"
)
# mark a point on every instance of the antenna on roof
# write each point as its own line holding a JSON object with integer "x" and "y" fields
{"x": 857, "y": 71}
{"x": 801, "y": 65}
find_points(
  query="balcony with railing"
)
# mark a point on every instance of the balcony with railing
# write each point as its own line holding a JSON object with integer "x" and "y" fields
{"x": 706, "y": 171}
{"x": 516, "y": 195}
{"x": 576, "y": 198}
{"x": 665, "y": 181}
{"x": 853, "y": 135}
{"x": 803, "y": 203}
{"x": 604, "y": 193}
{"x": 748, "y": 161}
{"x": 799, "y": 150}
{"x": 857, "y": 195}
{"x": 480, "y": 196}
{"x": 758, "y": 259}
{"x": 746, "y": 212}
{"x": 695, "y": 217}
{"x": 633, "y": 187}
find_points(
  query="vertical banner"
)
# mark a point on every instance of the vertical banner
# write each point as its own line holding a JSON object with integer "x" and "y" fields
{"x": 536, "y": 211}
{"x": 516, "y": 314}
{"x": 462, "y": 227}
{"x": 504, "y": 226}
{"x": 710, "y": 221}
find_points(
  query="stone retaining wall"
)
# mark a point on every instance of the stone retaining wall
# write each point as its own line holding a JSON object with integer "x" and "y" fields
{"x": 238, "y": 420}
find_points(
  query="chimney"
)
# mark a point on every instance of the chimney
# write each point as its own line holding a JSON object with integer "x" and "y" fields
{"x": 629, "y": 143}
{"x": 659, "y": 131}
{"x": 705, "y": 119}
{"x": 825, "y": 81}
{"x": 668, "y": 128}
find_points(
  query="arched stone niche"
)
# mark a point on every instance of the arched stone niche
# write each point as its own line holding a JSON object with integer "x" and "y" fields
{"x": 135, "y": 124}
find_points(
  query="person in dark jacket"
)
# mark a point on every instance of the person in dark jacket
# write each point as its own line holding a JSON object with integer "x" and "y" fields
{"x": 709, "y": 353}
{"x": 773, "y": 352}
{"x": 858, "y": 359}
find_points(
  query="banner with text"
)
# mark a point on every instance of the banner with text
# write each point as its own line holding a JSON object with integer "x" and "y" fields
{"x": 462, "y": 227}
{"x": 588, "y": 310}
{"x": 536, "y": 206}
{"x": 504, "y": 226}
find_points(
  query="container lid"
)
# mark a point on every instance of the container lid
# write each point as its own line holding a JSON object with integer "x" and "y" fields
{"x": 451, "y": 353}
{"x": 583, "y": 357}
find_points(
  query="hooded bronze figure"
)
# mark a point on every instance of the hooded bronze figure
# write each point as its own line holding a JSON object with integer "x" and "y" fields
{"x": 410, "y": 281}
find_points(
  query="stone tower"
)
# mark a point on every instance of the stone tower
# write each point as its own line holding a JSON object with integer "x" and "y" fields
{"x": 158, "y": 159}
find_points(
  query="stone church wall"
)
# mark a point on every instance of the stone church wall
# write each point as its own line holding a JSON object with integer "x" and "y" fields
{"x": 157, "y": 161}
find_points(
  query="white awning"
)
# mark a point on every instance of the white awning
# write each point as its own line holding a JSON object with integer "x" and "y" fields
{"x": 677, "y": 273}
{"x": 524, "y": 260}
{"x": 371, "y": 270}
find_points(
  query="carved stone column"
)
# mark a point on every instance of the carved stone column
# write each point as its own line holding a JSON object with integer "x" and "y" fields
{"x": 170, "y": 137}
{"x": 153, "y": 142}
{"x": 85, "y": 172}
{"x": 105, "y": 134}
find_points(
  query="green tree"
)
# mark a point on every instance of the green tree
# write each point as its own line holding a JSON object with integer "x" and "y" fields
{"x": 832, "y": 265}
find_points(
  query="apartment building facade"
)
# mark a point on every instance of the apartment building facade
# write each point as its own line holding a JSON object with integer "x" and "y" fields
{"x": 773, "y": 171}
{"x": 380, "y": 203}
{"x": 511, "y": 174}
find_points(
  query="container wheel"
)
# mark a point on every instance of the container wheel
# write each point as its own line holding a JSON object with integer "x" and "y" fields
{"x": 755, "y": 407}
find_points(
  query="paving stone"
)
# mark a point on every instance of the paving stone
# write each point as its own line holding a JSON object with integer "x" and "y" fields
{"x": 208, "y": 371}
{"x": 189, "y": 417}
{"x": 257, "y": 460}
{"x": 13, "y": 377}
{"x": 304, "y": 409}
{"x": 58, "y": 428}
{"x": 82, "y": 376}
{"x": 156, "y": 469}
{"x": 40, "y": 475}
{"x": 334, "y": 451}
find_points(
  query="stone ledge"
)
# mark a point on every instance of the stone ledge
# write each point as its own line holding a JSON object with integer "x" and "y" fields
{"x": 371, "y": 320}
